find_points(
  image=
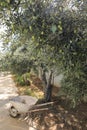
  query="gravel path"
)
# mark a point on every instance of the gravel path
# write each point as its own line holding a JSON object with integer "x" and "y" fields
{"x": 8, "y": 90}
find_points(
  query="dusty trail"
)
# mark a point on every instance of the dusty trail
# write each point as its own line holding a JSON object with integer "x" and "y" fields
{"x": 7, "y": 91}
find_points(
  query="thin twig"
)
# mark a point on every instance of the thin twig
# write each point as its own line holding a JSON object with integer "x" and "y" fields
{"x": 43, "y": 104}
{"x": 36, "y": 110}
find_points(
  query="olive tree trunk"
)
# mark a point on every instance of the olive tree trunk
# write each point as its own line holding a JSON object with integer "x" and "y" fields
{"x": 47, "y": 86}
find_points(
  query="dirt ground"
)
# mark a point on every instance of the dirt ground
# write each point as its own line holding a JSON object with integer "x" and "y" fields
{"x": 59, "y": 116}
{"x": 8, "y": 90}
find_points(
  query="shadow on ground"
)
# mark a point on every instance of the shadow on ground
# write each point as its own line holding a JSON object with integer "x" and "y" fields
{"x": 60, "y": 117}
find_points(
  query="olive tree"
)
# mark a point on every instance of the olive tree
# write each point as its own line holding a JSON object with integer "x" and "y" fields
{"x": 60, "y": 25}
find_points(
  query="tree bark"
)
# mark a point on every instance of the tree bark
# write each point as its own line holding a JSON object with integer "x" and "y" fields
{"x": 47, "y": 85}
{"x": 44, "y": 78}
{"x": 48, "y": 89}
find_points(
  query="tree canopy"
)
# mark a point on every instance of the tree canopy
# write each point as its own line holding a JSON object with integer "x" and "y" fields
{"x": 52, "y": 32}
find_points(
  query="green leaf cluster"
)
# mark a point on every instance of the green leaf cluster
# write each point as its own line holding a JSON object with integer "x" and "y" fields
{"x": 53, "y": 34}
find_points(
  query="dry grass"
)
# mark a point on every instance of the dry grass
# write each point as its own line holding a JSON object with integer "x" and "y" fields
{"x": 35, "y": 89}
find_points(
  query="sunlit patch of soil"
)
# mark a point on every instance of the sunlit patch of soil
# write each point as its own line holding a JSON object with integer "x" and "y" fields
{"x": 31, "y": 90}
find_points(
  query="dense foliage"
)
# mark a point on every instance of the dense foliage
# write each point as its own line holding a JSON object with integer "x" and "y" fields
{"x": 51, "y": 33}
